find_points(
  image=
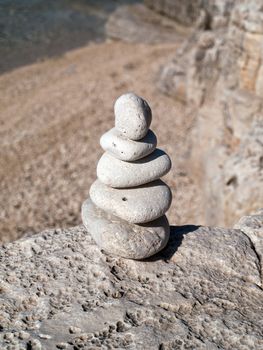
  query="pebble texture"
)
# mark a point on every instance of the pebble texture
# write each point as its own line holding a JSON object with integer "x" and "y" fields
{"x": 117, "y": 173}
{"x": 59, "y": 291}
{"x": 125, "y": 149}
{"x": 121, "y": 238}
{"x": 135, "y": 205}
{"x": 133, "y": 116}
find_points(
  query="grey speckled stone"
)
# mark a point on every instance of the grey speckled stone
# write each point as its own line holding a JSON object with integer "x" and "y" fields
{"x": 252, "y": 226}
{"x": 137, "y": 204}
{"x": 203, "y": 291}
{"x": 133, "y": 116}
{"x": 117, "y": 173}
{"x": 121, "y": 238}
{"x": 125, "y": 149}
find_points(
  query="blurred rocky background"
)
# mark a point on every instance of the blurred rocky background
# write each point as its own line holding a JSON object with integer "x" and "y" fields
{"x": 64, "y": 62}
{"x": 218, "y": 73}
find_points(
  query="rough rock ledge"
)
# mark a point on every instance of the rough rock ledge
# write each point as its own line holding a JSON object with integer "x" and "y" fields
{"x": 59, "y": 291}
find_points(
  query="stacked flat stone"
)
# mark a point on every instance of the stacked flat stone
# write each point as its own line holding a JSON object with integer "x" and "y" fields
{"x": 125, "y": 213}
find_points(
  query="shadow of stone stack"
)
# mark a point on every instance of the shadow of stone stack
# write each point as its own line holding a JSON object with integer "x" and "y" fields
{"x": 125, "y": 213}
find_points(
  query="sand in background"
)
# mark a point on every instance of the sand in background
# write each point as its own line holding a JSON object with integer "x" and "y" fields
{"x": 52, "y": 114}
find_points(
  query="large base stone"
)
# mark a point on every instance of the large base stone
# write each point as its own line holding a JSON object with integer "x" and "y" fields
{"x": 203, "y": 291}
{"x": 121, "y": 238}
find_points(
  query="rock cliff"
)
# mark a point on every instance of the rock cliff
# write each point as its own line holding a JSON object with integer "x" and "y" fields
{"x": 204, "y": 291}
{"x": 190, "y": 12}
{"x": 218, "y": 73}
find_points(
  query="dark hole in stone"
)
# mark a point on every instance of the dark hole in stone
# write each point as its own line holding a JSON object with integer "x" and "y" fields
{"x": 124, "y": 199}
{"x": 261, "y": 162}
{"x": 232, "y": 181}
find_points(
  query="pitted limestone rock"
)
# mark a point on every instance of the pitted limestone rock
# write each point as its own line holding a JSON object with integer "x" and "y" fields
{"x": 59, "y": 291}
{"x": 126, "y": 213}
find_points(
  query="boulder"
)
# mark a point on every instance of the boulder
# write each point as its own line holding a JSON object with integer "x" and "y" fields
{"x": 218, "y": 73}
{"x": 189, "y": 12}
{"x": 60, "y": 291}
{"x": 138, "y": 23}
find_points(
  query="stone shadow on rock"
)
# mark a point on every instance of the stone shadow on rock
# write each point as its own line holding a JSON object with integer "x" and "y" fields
{"x": 177, "y": 234}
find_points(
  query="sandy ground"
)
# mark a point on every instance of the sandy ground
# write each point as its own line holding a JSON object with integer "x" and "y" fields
{"x": 52, "y": 115}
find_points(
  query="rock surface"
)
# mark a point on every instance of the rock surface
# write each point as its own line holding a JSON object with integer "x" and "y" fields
{"x": 117, "y": 173}
{"x": 136, "y": 204}
{"x": 252, "y": 226}
{"x": 117, "y": 237}
{"x": 138, "y": 23}
{"x": 242, "y": 176}
{"x": 59, "y": 291}
{"x": 218, "y": 73}
{"x": 185, "y": 12}
{"x": 122, "y": 148}
{"x": 193, "y": 12}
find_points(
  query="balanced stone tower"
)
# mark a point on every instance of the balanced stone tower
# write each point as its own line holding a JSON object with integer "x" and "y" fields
{"x": 125, "y": 213}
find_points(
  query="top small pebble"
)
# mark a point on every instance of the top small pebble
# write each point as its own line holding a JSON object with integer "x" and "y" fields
{"x": 133, "y": 116}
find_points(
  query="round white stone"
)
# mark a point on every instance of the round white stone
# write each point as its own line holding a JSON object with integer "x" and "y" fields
{"x": 136, "y": 205}
{"x": 116, "y": 236}
{"x": 133, "y": 116}
{"x": 126, "y": 149}
{"x": 117, "y": 173}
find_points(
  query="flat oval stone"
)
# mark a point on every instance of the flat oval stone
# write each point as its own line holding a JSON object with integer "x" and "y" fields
{"x": 125, "y": 149}
{"x": 133, "y": 116}
{"x": 118, "y": 237}
{"x": 119, "y": 174}
{"x": 137, "y": 204}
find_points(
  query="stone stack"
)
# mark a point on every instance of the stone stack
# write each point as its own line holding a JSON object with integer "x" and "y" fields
{"x": 126, "y": 210}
